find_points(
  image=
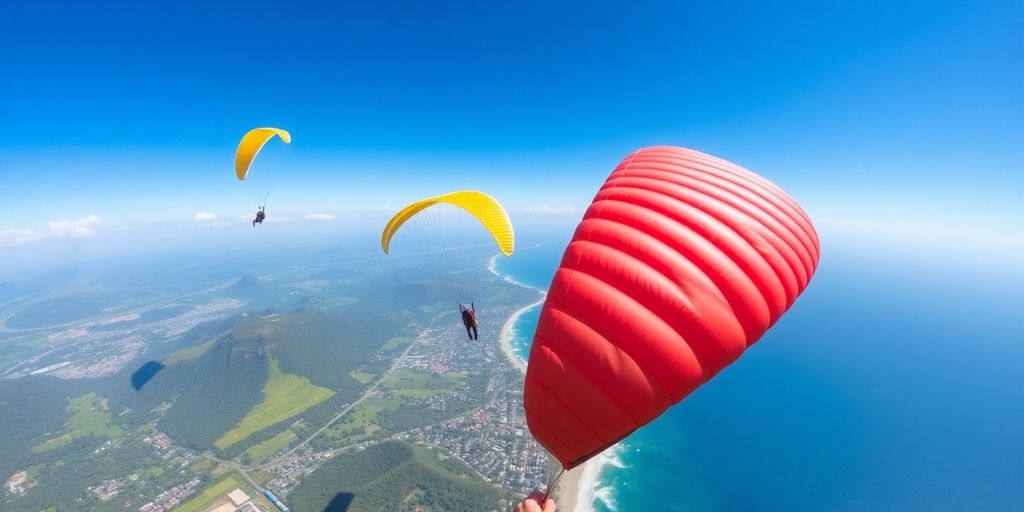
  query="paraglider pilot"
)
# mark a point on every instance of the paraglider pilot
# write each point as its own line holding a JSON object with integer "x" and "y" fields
{"x": 260, "y": 215}
{"x": 469, "y": 320}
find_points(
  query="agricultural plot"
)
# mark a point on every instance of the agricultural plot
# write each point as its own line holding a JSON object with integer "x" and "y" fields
{"x": 409, "y": 383}
{"x": 396, "y": 342}
{"x": 89, "y": 417}
{"x": 362, "y": 423}
{"x": 361, "y": 376}
{"x": 284, "y": 396}
{"x": 264, "y": 450}
{"x": 211, "y": 493}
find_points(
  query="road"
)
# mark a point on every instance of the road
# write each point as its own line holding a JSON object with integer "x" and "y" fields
{"x": 367, "y": 394}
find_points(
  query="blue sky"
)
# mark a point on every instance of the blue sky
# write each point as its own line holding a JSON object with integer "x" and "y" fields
{"x": 887, "y": 120}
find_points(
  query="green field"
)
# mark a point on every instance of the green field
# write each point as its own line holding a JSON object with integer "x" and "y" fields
{"x": 264, "y": 450}
{"x": 261, "y": 477}
{"x": 360, "y": 423}
{"x": 146, "y": 428}
{"x": 408, "y": 378}
{"x": 396, "y": 342}
{"x": 190, "y": 353}
{"x": 361, "y": 376}
{"x": 209, "y": 494}
{"x": 89, "y": 417}
{"x": 284, "y": 396}
{"x": 409, "y": 383}
{"x": 33, "y": 471}
{"x": 54, "y": 443}
{"x": 200, "y": 465}
{"x": 416, "y": 393}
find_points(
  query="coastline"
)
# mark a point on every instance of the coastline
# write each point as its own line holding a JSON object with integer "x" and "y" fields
{"x": 505, "y": 338}
{"x": 575, "y": 491}
{"x": 571, "y": 492}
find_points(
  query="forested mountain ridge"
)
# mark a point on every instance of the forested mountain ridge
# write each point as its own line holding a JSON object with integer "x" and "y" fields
{"x": 230, "y": 378}
{"x": 394, "y": 476}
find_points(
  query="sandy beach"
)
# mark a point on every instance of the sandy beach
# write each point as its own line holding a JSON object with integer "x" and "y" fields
{"x": 574, "y": 491}
{"x": 505, "y": 339}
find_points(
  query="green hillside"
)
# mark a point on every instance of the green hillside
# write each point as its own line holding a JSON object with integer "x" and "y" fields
{"x": 284, "y": 396}
{"x": 265, "y": 370}
{"x": 132, "y": 407}
{"x": 327, "y": 347}
{"x": 394, "y": 476}
{"x": 29, "y": 407}
{"x": 89, "y": 417}
{"x": 220, "y": 386}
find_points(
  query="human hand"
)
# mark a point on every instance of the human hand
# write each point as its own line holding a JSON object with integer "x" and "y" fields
{"x": 535, "y": 502}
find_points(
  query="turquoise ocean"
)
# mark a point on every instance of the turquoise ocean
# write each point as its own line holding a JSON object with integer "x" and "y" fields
{"x": 889, "y": 386}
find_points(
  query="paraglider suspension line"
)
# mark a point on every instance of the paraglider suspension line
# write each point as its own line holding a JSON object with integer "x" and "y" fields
{"x": 551, "y": 486}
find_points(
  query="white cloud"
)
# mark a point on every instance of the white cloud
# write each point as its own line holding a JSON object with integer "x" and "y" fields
{"x": 57, "y": 229}
{"x": 9, "y": 237}
{"x": 81, "y": 228}
{"x": 205, "y": 216}
{"x": 547, "y": 209}
{"x": 319, "y": 216}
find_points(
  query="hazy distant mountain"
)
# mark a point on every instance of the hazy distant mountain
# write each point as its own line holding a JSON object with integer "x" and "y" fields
{"x": 335, "y": 273}
{"x": 247, "y": 285}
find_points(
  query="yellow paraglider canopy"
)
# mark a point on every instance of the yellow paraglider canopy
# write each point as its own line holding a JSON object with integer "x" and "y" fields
{"x": 482, "y": 206}
{"x": 250, "y": 146}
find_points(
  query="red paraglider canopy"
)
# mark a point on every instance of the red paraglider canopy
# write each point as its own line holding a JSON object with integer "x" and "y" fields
{"x": 682, "y": 262}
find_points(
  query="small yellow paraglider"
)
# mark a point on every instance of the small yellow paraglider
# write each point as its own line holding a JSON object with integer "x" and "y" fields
{"x": 250, "y": 146}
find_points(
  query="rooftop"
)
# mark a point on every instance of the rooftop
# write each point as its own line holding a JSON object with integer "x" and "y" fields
{"x": 238, "y": 497}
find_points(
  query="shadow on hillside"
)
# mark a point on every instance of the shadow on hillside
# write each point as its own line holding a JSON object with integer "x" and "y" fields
{"x": 144, "y": 374}
{"x": 341, "y": 502}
